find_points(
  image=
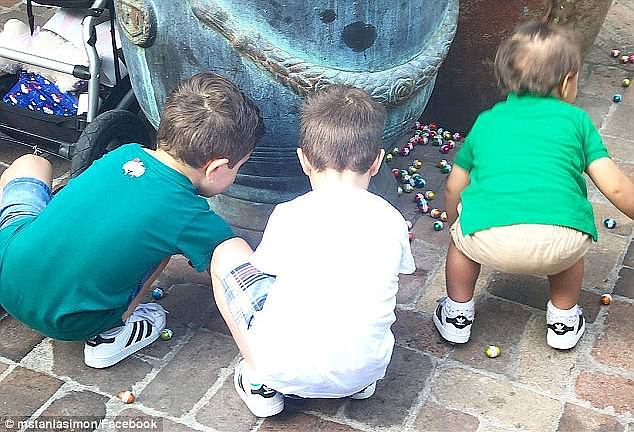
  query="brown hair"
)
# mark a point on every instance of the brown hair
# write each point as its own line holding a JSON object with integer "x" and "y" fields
{"x": 205, "y": 118}
{"x": 341, "y": 128}
{"x": 536, "y": 59}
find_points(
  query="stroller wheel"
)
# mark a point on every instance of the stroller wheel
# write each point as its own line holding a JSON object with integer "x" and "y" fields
{"x": 105, "y": 133}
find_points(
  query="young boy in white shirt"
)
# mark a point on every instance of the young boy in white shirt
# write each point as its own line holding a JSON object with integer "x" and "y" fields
{"x": 311, "y": 308}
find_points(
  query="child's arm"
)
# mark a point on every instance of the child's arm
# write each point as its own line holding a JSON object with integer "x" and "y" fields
{"x": 612, "y": 183}
{"x": 456, "y": 182}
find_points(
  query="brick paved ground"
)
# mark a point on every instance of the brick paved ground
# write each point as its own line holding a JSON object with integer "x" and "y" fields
{"x": 430, "y": 385}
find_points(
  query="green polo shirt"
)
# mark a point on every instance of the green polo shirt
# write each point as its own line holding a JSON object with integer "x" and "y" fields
{"x": 526, "y": 158}
{"x": 69, "y": 272}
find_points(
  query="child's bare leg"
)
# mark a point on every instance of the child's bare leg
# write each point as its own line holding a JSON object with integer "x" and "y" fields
{"x": 28, "y": 166}
{"x": 565, "y": 287}
{"x": 461, "y": 274}
{"x": 226, "y": 257}
{"x": 147, "y": 286}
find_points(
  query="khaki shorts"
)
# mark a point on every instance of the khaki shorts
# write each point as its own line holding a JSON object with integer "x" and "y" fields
{"x": 524, "y": 248}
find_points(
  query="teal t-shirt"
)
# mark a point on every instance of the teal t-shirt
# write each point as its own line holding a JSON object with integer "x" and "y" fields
{"x": 69, "y": 273}
{"x": 526, "y": 158}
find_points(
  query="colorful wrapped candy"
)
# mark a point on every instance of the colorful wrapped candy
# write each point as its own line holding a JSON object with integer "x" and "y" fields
{"x": 609, "y": 223}
{"x": 492, "y": 351}
{"x": 158, "y": 293}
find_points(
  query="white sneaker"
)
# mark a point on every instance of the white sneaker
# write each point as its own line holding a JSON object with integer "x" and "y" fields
{"x": 564, "y": 330}
{"x": 261, "y": 400}
{"x": 453, "y": 323}
{"x": 365, "y": 393}
{"x": 141, "y": 329}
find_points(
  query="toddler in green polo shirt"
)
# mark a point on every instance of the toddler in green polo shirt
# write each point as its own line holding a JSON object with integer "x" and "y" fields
{"x": 517, "y": 196}
{"x": 76, "y": 267}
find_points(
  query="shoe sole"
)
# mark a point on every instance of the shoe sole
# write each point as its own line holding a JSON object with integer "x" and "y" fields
{"x": 104, "y": 362}
{"x": 268, "y": 412}
{"x": 365, "y": 393}
{"x": 448, "y": 335}
{"x": 555, "y": 341}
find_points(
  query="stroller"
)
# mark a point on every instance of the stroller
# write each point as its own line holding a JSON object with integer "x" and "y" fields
{"x": 111, "y": 117}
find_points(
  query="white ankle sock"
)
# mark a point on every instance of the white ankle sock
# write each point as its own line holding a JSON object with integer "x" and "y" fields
{"x": 565, "y": 312}
{"x": 470, "y": 305}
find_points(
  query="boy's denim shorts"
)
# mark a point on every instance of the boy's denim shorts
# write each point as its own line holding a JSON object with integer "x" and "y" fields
{"x": 246, "y": 289}
{"x": 23, "y": 198}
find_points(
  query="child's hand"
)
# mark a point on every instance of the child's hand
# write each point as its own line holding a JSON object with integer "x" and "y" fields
{"x": 612, "y": 183}
{"x": 456, "y": 182}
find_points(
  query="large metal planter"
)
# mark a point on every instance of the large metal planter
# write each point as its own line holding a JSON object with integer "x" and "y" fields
{"x": 280, "y": 51}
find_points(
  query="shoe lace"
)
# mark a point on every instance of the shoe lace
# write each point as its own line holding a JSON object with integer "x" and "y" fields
{"x": 147, "y": 311}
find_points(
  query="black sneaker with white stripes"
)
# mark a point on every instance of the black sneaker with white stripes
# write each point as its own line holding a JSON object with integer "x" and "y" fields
{"x": 141, "y": 329}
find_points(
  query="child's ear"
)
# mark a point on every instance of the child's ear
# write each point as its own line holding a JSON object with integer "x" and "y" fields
{"x": 213, "y": 166}
{"x": 376, "y": 165}
{"x": 565, "y": 88}
{"x": 306, "y": 166}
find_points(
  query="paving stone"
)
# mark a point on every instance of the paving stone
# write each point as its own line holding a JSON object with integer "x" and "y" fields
{"x": 601, "y": 81}
{"x": 329, "y": 407}
{"x": 436, "y": 241}
{"x": 157, "y": 351}
{"x": 226, "y": 412}
{"x": 491, "y": 315}
{"x": 436, "y": 418}
{"x": 193, "y": 305}
{"x": 81, "y": 406}
{"x": 9, "y": 3}
{"x": 3, "y": 367}
{"x": 541, "y": 366}
{"x": 600, "y": 261}
{"x": 616, "y": 345}
{"x": 533, "y": 291}
{"x": 178, "y": 271}
{"x": 23, "y": 391}
{"x": 595, "y": 196}
{"x": 17, "y": 339}
{"x": 189, "y": 304}
{"x": 625, "y": 283}
{"x": 427, "y": 256}
{"x": 413, "y": 330}
{"x": 618, "y": 128}
{"x": 69, "y": 361}
{"x": 576, "y": 418}
{"x": 619, "y": 148}
{"x": 624, "y": 224}
{"x": 614, "y": 33}
{"x": 138, "y": 420}
{"x": 629, "y": 256}
{"x": 606, "y": 391}
{"x": 495, "y": 400}
{"x": 597, "y": 107}
{"x": 289, "y": 421}
{"x": 437, "y": 288}
{"x": 410, "y": 286}
{"x": 190, "y": 374}
{"x": 396, "y": 393}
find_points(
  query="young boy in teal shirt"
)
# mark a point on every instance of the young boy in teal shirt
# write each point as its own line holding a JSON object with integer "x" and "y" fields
{"x": 76, "y": 267}
{"x": 517, "y": 192}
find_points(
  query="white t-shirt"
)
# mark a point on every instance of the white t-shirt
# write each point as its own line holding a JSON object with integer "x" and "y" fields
{"x": 324, "y": 330}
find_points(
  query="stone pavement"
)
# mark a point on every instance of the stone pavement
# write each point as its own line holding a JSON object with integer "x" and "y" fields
{"x": 186, "y": 383}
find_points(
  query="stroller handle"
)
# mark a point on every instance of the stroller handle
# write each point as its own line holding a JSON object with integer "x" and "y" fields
{"x": 78, "y": 71}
